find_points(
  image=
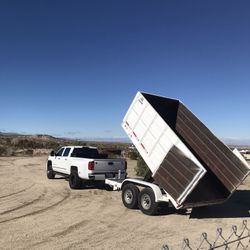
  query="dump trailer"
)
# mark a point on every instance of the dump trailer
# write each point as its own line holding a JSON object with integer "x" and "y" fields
{"x": 189, "y": 166}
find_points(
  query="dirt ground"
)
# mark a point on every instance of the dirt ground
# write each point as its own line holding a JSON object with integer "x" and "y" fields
{"x": 37, "y": 213}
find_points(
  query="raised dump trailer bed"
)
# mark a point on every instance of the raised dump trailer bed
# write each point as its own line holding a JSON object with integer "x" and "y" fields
{"x": 187, "y": 161}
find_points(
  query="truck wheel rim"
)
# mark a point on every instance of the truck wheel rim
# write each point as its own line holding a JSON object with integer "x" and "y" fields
{"x": 146, "y": 201}
{"x": 128, "y": 196}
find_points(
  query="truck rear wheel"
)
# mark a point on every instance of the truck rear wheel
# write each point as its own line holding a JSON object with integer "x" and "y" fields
{"x": 74, "y": 181}
{"x": 147, "y": 202}
{"x": 130, "y": 196}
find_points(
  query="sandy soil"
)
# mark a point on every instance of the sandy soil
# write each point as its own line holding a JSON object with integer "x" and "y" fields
{"x": 37, "y": 213}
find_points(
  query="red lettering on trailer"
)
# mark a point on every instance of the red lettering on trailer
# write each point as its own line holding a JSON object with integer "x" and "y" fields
{"x": 144, "y": 148}
{"x": 135, "y": 134}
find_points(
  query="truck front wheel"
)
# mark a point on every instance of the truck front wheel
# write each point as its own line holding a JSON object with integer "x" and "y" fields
{"x": 130, "y": 196}
{"x": 50, "y": 173}
{"x": 147, "y": 202}
{"x": 74, "y": 180}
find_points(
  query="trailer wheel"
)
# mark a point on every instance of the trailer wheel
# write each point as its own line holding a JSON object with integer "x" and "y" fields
{"x": 50, "y": 173}
{"x": 147, "y": 202}
{"x": 130, "y": 196}
{"x": 74, "y": 181}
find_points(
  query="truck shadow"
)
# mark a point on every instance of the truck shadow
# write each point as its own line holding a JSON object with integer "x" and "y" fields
{"x": 236, "y": 207}
{"x": 100, "y": 186}
{"x": 89, "y": 185}
{"x": 60, "y": 178}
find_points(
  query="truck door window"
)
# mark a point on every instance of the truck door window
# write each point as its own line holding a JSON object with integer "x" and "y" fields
{"x": 59, "y": 152}
{"x": 66, "y": 152}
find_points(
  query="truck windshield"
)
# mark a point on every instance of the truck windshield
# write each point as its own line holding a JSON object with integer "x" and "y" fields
{"x": 85, "y": 153}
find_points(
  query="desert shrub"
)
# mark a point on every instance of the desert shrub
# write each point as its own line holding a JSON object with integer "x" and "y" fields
{"x": 29, "y": 152}
{"x": 141, "y": 167}
{"x": 109, "y": 153}
{"x": 2, "y": 151}
{"x": 14, "y": 142}
{"x": 6, "y": 151}
{"x": 133, "y": 155}
{"x": 26, "y": 143}
{"x": 52, "y": 144}
{"x": 9, "y": 151}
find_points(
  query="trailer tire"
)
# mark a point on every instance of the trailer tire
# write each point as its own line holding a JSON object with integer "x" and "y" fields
{"x": 74, "y": 181}
{"x": 50, "y": 173}
{"x": 130, "y": 194}
{"x": 146, "y": 201}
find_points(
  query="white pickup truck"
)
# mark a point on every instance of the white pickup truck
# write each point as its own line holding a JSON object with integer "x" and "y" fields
{"x": 84, "y": 164}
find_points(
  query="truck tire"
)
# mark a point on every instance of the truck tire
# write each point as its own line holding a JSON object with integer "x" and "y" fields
{"x": 74, "y": 181}
{"x": 130, "y": 196}
{"x": 146, "y": 201}
{"x": 50, "y": 173}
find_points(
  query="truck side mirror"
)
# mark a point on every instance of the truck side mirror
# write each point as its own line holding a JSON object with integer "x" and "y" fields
{"x": 52, "y": 153}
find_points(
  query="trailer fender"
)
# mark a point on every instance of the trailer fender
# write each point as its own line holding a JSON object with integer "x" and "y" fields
{"x": 141, "y": 183}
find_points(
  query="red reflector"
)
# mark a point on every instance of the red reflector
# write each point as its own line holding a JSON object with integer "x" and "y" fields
{"x": 91, "y": 165}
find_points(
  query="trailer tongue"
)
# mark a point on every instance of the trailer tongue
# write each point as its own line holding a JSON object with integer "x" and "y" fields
{"x": 189, "y": 164}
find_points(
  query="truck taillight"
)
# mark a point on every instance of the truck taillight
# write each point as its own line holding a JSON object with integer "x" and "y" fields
{"x": 126, "y": 165}
{"x": 91, "y": 165}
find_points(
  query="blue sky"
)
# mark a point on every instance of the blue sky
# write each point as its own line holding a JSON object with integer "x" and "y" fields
{"x": 72, "y": 68}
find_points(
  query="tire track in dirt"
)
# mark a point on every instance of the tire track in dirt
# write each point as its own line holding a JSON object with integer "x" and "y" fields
{"x": 17, "y": 192}
{"x": 70, "y": 228}
{"x": 38, "y": 211}
{"x": 30, "y": 165}
{"x": 64, "y": 232}
{"x": 77, "y": 225}
{"x": 80, "y": 243}
{"x": 25, "y": 204}
{"x": 107, "y": 225}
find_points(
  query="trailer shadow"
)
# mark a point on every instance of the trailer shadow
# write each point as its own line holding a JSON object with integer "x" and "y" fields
{"x": 236, "y": 207}
{"x": 165, "y": 210}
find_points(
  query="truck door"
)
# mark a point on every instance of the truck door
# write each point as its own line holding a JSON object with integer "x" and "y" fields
{"x": 57, "y": 162}
{"x": 65, "y": 164}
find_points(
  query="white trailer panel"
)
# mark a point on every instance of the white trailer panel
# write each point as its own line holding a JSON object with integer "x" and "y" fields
{"x": 154, "y": 139}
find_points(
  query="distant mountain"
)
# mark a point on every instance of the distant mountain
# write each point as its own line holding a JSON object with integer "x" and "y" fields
{"x": 43, "y": 136}
{"x": 236, "y": 141}
{"x": 105, "y": 139}
{"x": 9, "y": 134}
{"x": 28, "y": 135}
{"x": 49, "y": 137}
